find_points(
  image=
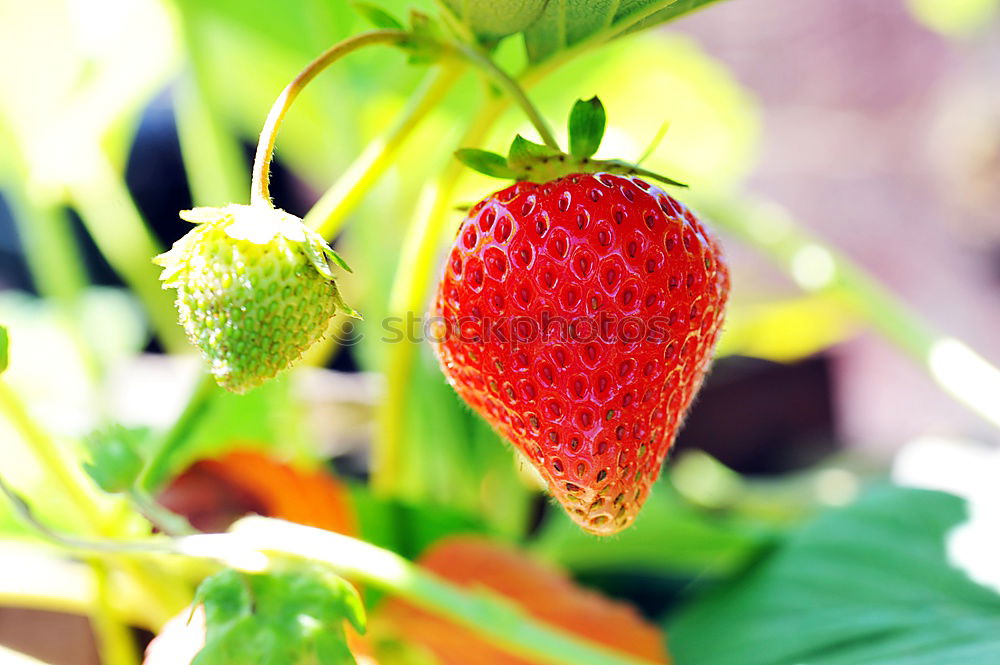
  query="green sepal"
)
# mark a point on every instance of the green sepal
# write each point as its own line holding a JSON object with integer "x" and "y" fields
{"x": 424, "y": 46}
{"x": 342, "y": 305}
{"x": 486, "y": 162}
{"x": 535, "y": 162}
{"x": 618, "y": 166}
{"x": 587, "y": 121}
{"x": 377, "y": 16}
{"x": 523, "y": 152}
{"x": 292, "y": 616}
{"x": 4, "y": 348}
{"x": 115, "y": 457}
{"x": 336, "y": 258}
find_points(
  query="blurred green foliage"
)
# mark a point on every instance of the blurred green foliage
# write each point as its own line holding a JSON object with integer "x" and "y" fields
{"x": 956, "y": 18}
{"x": 871, "y": 583}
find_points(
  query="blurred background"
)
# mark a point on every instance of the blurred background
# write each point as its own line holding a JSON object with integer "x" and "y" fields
{"x": 873, "y": 126}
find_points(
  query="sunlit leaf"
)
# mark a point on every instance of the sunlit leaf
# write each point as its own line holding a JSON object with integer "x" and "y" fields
{"x": 377, "y": 16}
{"x": 83, "y": 76}
{"x": 568, "y": 22}
{"x": 870, "y": 583}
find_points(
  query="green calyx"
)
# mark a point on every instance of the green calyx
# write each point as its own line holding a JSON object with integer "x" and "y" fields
{"x": 255, "y": 289}
{"x": 535, "y": 162}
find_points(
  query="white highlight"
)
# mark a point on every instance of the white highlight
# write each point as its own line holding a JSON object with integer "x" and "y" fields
{"x": 836, "y": 487}
{"x": 813, "y": 267}
{"x": 969, "y": 471}
{"x": 230, "y": 551}
{"x": 966, "y": 375}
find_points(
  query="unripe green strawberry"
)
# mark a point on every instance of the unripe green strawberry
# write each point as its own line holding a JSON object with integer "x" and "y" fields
{"x": 255, "y": 289}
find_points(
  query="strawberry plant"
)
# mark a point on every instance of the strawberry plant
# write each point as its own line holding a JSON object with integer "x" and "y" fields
{"x": 498, "y": 484}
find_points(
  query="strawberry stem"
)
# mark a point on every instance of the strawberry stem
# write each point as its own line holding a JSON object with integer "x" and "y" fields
{"x": 513, "y": 89}
{"x": 114, "y": 637}
{"x": 259, "y": 188}
{"x": 259, "y": 185}
{"x": 408, "y": 293}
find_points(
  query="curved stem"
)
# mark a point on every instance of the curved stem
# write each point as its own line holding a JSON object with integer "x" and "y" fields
{"x": 259, "y": 188}
{"x": 259, "y": 192}
{"x": 512, "y": 88}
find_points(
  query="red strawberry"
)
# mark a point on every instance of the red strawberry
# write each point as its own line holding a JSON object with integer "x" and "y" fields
{"x": 580, "y": 317}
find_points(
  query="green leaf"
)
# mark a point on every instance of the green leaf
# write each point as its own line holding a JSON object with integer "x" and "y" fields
{"x": 486, "y": 162}
{"x": 377, "y": 16}
{"x": 565, "y": 23}
{"x": 870, "y": 583}
{"x": 494, "y": 19}
{"x": 586, "y": 127}
{"x": 293, "y": 616}
{"x": 4, "y": 346}
{"x": 522, "y": 151}
{"x": 115, "y": 459}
